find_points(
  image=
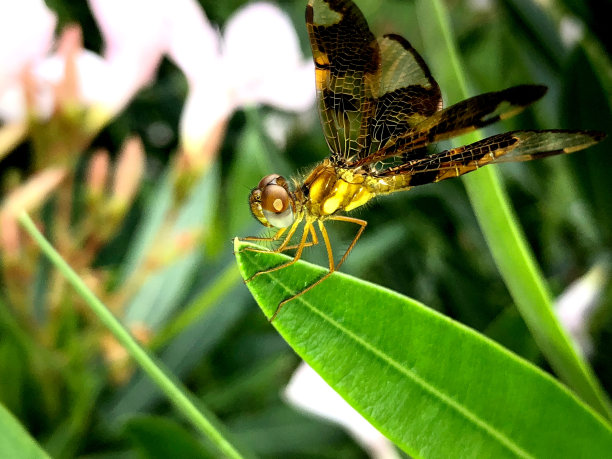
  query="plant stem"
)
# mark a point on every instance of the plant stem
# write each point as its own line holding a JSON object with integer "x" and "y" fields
{"x": 513, "y": 257}
{"x": 178, "y": 397}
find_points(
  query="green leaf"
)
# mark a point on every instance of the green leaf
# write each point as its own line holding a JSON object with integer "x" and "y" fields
{"x": 178, "y": 395}
{"x": 433, "y": 386}
{"x": 507, "y": 243}
{"x": 15, "y": 442}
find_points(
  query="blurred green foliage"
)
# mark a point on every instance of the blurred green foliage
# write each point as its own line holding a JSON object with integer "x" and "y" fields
{"x": 425, "y": 243}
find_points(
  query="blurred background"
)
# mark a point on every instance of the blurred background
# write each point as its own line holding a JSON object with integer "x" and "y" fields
{"x": 133, "y": 135}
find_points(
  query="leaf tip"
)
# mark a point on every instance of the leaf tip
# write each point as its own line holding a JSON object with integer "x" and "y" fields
{"x": 237, "y": 245}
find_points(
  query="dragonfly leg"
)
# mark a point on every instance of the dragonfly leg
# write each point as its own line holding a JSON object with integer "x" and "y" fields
{"x": 314, "y": 240}
{"x": 283, "y": 246}
{"x": 276, "y": 237}
{"x": 357, "y": 221}
{"x": 332, "y": 267}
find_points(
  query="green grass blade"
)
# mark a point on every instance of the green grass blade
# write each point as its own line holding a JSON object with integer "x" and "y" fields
{"x": 511, "y": 253}
{"x": 179, "y": 398}
{"x": 433, "y": 386}
{"x": 526, "y": 285}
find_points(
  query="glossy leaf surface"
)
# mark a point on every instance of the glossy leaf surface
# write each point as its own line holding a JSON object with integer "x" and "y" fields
{"x": 433, "y": 386}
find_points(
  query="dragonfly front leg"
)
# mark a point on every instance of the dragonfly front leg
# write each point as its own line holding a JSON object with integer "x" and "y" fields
{"x": 330, "y": 256}
{"x": 274, "y": 238}
{"x": 283, "y": 246}
{"x": 314, "y": 240}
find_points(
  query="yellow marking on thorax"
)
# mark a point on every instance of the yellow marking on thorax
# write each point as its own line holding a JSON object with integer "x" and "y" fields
{"x": 335, "y": 197}
{"x": 332, "y": 190}
{"x": 348, "y": 193}
{"x": 362, "y": 196}
{"x": 320, "y": 182}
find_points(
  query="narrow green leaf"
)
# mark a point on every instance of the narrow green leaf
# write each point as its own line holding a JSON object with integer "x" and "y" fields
{"x": 177, "y": 395}
{"x": 157, "y": 205}
{"x": 15, "y": 441}
{"x": 512, "y": 255}
{"x": 525, "y": 282}
{"x": 433, "y": 386}
{"x": 181, "y": 354}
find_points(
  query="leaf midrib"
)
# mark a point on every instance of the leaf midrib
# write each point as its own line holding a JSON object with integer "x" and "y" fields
{"x": 463, "y": 411}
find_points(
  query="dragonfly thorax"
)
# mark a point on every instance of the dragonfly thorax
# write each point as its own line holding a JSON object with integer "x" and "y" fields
{"x": 334, "y": 189}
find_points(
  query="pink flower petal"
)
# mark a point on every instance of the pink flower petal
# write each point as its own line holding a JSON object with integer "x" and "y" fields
{"x": 135, "y": 24}
{"x": 94, "y": 84}
{"x": 129, "y": 171}
{"x": 260, "y": 36}
{"x": 135, "y": 37}
{"x": 12, "y": 103}
{"x": 206, "y": 109}
{"x": 291, "y": 90}
{"x": 193, "y": 43}
{"x": 263, "y": 59}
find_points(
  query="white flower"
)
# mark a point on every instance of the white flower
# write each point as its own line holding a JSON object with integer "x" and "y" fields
{"x": 576, "y": 305}
{"x": 571, "y": 30}
{"x": 308, "y": 391}
{"x": 134, "y": 37}
{"x": 135, "y": 40}
{"x": 263, "y": 59}
{"x": 257, "y": 61}
{"x": 26, "y": 34}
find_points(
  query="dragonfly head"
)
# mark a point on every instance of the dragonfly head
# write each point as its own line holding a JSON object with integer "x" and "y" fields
{"x": 271, "y": 202}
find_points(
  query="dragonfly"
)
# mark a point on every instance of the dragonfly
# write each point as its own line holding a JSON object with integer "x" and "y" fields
{"x": 380, "y": 109}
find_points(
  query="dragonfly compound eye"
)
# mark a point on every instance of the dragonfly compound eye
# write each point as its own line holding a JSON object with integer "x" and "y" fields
{"x": 276, "y": 203}
{"x": 275, "y": 198}
{"x": 268, "y": 179}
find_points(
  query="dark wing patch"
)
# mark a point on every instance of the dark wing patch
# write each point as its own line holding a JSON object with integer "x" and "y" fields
{"x": 465, "y": 116}
{"x": 370, "y": 91}
{"x": 407, "y": 93}
{"x": 347, "y": 62}
{"x": 507, "y": 147}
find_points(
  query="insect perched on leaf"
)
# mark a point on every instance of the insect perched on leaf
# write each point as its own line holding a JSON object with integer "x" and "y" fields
{"x": 380, "y": 108}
